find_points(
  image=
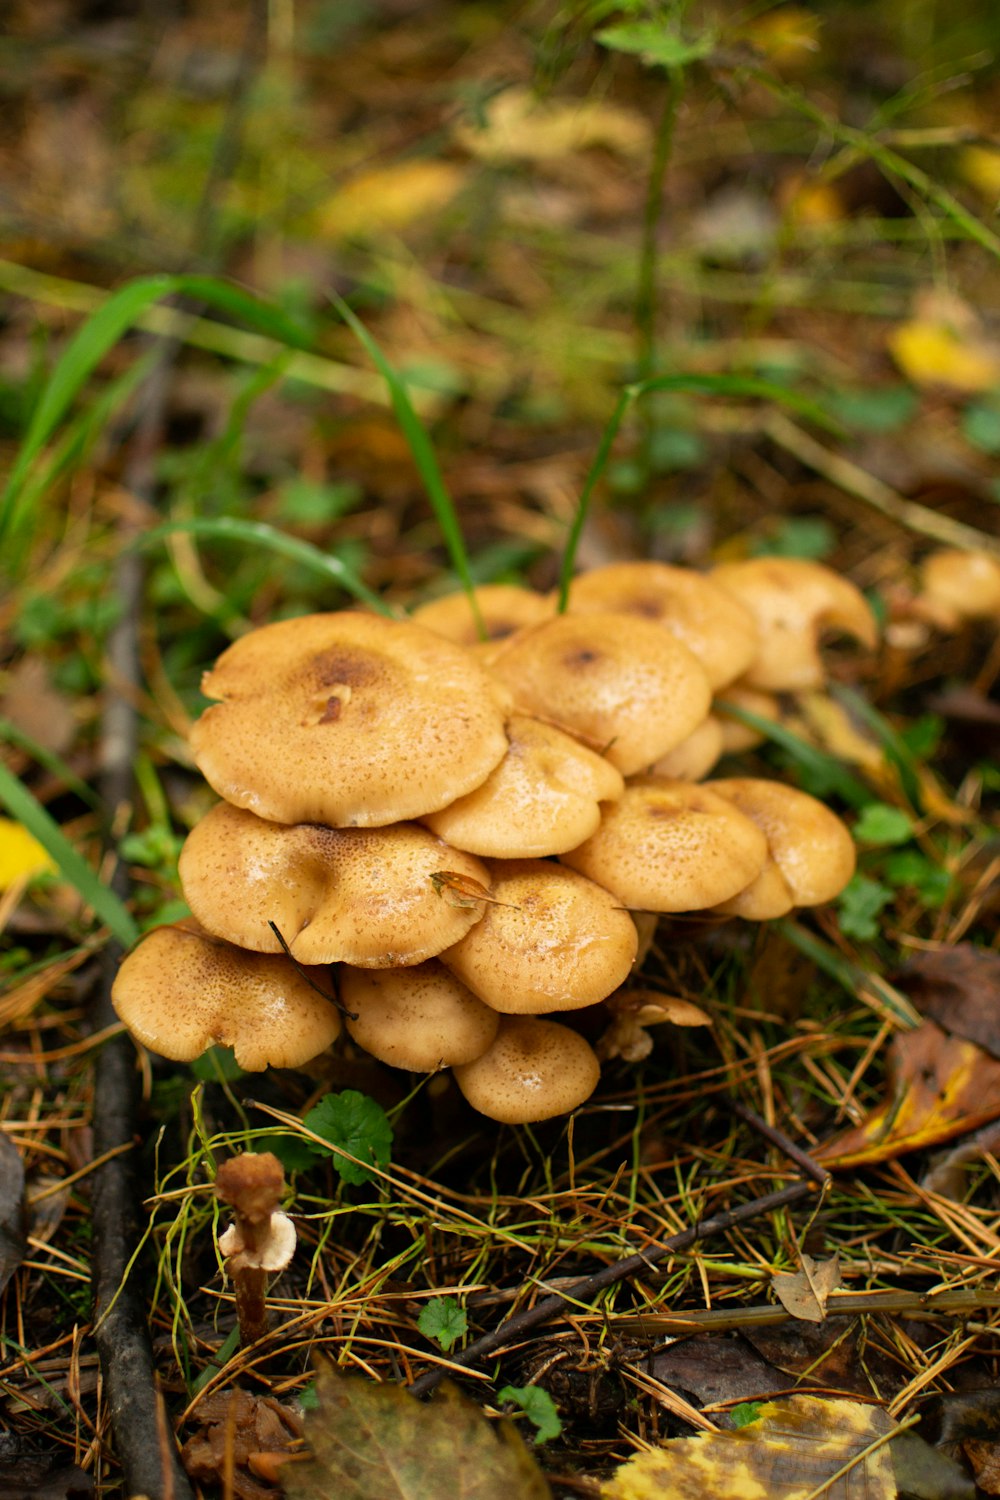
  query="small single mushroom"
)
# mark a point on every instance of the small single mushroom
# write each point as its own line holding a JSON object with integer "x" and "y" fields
{"x": 260, "y": 1239}
{"x": 421, "y": 1018}
{"x": 366, "y": 896}
{"x": 543, "y": 798}
{"x": 695, "y": 756}
{"x": 623, "y": 686}
{"x": 348, "y": 719}
{"x": 535, "y": 1069}
{"x": 550, "y": 940}
{"x": 504, "y": 607}
{"x": 632, "y": 1012}
{"x": 671, "y": 846}
{"x": 793, "y": 601}
{"x": 960, "y": 586}
{"x": 180, "y": 991}
{"x": 714, "y": 626}
{"x": 811, "y": 854}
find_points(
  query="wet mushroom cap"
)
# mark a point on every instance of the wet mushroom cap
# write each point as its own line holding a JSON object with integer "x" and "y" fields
{"x": 347, "y": 719}
{"x": 695, "y": 756}
{"x": 965, "y": 585}
{"x": 737, "y": 736}
{"x": 534, "y": 1070}
{"x": 671, "y": 846}
{"x": 421, "y": 1018}
{"x": 810, "y": 850}
{"x": 180, "y": 991}
{"x": 543, "y": 798}
{"x": 623, "y": 686}
{"x": 366, "y": 896}
{"x": 792, "y": 601}
{"x": 504, "y": 608}
{"x": 713, "y": 625}
{"x": 549, "y": 940}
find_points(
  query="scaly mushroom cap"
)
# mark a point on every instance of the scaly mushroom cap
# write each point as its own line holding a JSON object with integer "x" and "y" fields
{"x": 962, "y": 585}
{"x": 737, "y": 736}
{"x": 367, "y": 896}
{"x": 421, "y": 1018}
{"x": 543, "y": 798}
{"x": 347, "y": 719}
{"x": 504, "y": 607}
{"x": 811, "y": 852}
{"x": 534, "y": 1070}
{"x": 181, "y": 991}
{"x": 550, "y": 940}
{"x": 715, "y": 627}
{"x": 694, "y": 757}
{"x": 793, "y": 601}
{"x": 623, "y": 686}
{"x": 671, "y": 846}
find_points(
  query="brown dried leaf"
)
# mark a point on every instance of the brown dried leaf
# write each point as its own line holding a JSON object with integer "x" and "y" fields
{"x": 939, "y": 1087}
{"x": 959, "y": 988}
{"x": 12, "y": 1241}
{"x": 237, "y": 1428}
{"x": 792, "y": 1449}
{"x": 375, "y": 1442}
{"x": 804, "y": 1293}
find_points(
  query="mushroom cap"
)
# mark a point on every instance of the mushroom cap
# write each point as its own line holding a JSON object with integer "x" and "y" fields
{"x": 421, "y": 1018}
{"x": 550, "y": 940}
{"x": 713, "y": 625}
{"x": 737, "y": 736}
{"x": 671, "y": 846}
{"x": 543, "y": 797}
{"x": 366, "y": 896}
{"x": 534, "y": 1070}
{"x": 792, "y": 600}
{"x": 347, "y": 719}
{"x": 694, "y": 757}
{"x": 273, "y": 1252}
{"x": 505, "y": 608}
{"x": 963, "y": 584}
{"x": 624, "y": 686}
{"x": 181, "y": 991}
{"x": 811, "y": 852}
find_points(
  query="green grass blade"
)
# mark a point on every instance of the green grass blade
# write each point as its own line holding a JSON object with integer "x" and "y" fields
{"x": 423, "y": 456}
{"x": 696, "y": 385}
{"x": 260, "y": 534}
{"x": 29, "y": 812}
{"x": 813, "y": 762}
{"x": 52, "y": 763}
{"x": 858, "y": 981}
{"x": 895, "y": 748}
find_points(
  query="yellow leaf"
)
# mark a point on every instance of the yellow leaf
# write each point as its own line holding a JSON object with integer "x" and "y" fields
{"x": 21, "y": 855}
{"x": 390, "y": 198}
{"x": 932, "y": 353}
{"x": 794, "y": 1448}
{"x": 979, "y": 166}
{"x": 522, "y": 128}
{"x": 788, "y": 36}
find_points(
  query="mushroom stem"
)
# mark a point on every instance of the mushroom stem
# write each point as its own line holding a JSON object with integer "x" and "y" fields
{"x": 259, "y": 1240}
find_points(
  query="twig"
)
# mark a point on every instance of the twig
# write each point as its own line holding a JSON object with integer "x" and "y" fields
{"x": 588, "y": 1287}
{"x": 856, "y": 481}
{"x": 839, "y": 1304}
{"x": 778, "y": 1138}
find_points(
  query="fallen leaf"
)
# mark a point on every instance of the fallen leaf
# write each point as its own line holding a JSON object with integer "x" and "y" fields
{"x": 979, "y": 166}
{"x": 390, "y": 198}
{"x": 959, "y": 988}
{"x": 239, "y": 1429}
{"x": 938, "y": 1087}
{"x": 21, "y": 855}
{"x": 985, "y": 1461}
{"x": 34, "y": 1477}
{"x": 376, "y": 1442}
{"x": 804, "y": 1293}
{"x": 712, "y": 1369}
{"x": 520, "y": 127}
{"x": 943, "y": 345}
{"x": 793, "y": 1448}
{"x": 36, "y": 708}
{"x": 12, "y": 1241}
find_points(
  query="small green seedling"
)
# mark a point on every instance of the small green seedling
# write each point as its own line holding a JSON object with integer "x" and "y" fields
{"x": 444, "y": 1321}
{"x": 539, "y": 1408}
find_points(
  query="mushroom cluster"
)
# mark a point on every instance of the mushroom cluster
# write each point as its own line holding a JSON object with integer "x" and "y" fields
{"x": 454, "y": 832}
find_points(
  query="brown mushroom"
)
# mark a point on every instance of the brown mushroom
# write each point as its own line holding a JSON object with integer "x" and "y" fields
{"x": 713, "y": 625}
{"x": 671, "y": 846}
{"x": 623, "y": 686}
{"x": 737, "y": 736}
{"x": 695, "y": 756}
{"x": 348, "y": 719}
{"x": 793, "y": 601}
{"x": 961, "y": 585}
{"x": 543, "y": 798}
{"x": 504, "y": 608}
{"x": 811, "y": 854}
{"x": 550, "y": 940}
{"x": 422, "y": 1018}
{"x": 367, "y": 896}
{"x": 534, "y": 1070}
{"x": 180, "y": 991}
